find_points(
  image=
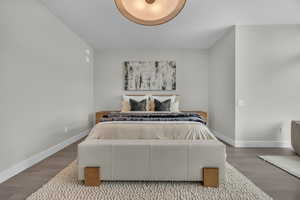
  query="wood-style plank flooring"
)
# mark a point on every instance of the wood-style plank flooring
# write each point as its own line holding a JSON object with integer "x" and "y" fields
{"x": 270, "y": 179}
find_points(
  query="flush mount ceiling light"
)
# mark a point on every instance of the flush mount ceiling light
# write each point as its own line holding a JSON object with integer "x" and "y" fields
{"x": 150, "y": 12}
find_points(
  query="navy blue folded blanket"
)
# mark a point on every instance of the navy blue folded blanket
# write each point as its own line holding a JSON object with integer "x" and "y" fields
{"x": 153, "y": 116}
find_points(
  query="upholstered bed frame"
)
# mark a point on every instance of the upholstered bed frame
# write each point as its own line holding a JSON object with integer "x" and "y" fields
{"x": 151, "y": 160}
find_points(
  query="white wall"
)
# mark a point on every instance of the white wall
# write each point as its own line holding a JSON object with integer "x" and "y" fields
{"x": 192, "y": 76}
{"x": 222, "y": 87}
{"x": 45, "y": 82}
{"x": 268, "y": 81}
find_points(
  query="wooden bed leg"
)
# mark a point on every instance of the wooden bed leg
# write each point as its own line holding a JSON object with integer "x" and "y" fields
{"x": 92, "y": 176}
{"x": 210, "y": 177}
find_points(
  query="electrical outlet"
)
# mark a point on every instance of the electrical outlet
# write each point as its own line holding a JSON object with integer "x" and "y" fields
{"x": 66, "y": 129}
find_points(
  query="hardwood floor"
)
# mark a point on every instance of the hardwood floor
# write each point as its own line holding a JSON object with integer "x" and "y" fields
{"x": 27, "y": 182}
{"x": 270, "y": 179}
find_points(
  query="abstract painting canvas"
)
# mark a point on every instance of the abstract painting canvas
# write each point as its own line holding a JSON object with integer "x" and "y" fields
{"x": 150, "y": 75}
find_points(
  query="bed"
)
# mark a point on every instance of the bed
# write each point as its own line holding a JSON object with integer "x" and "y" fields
{"x": 151, "y": 146}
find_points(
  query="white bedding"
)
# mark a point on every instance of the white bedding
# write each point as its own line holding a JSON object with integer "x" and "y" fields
{"x": 151, "y": 130}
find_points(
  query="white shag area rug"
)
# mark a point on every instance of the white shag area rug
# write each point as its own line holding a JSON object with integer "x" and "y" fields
{"x": 64, "y": 186}
{"x": 290, "y": 164}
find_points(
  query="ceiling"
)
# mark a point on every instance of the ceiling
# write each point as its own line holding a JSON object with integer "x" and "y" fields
{"x": 199, "y": 25}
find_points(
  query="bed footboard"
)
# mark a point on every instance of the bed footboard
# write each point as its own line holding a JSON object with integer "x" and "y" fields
{"x": 152, "y": 160}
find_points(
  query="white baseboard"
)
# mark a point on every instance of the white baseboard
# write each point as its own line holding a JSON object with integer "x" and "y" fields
{"x": 252, "y": 143}
{"x": 21, "y": 166}
{"x": 224, "y": 138}
{"x": 263, "y": 144}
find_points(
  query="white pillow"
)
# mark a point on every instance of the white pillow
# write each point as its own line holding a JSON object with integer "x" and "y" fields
{"x": 175, "y": 107}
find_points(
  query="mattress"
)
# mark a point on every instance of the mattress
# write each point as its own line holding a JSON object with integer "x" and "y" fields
{"x": 163, "y": 126}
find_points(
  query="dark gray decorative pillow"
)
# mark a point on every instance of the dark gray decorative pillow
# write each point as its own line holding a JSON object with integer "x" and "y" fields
{"x": 138, "y": 106}
{"x": 162, "y": 106}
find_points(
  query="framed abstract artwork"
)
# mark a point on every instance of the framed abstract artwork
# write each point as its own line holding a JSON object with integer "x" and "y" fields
{"x": 149, "y": 75}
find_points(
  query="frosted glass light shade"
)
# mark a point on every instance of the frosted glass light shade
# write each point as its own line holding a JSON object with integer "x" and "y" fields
{"x": 150, "y": 12}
